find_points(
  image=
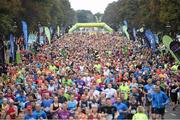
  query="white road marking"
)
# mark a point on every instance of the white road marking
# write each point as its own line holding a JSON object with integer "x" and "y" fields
{"x": 173, "y": 114}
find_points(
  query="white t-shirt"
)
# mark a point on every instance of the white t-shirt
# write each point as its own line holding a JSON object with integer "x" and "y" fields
{"x": 110, "y": 92}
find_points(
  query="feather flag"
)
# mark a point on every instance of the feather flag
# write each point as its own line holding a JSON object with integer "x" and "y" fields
{"x": 151, "y": 39}
{"x": 25, "y": 32}
{"x": 167, "y": 41}
{"x": 125, "y": 28}
{"x": 175, "y": 48}
{"x": 32, "y": 38}
{"x": 156, "y": 38}
{"x": 58, "y": 31}
{"x": 134, "y": 33}
{"x": 125, "y": 23}
{"x": 11, "y": 52}
{"x": 51, "y": 30}
{"x": 48, "y": 34}
{"x": 41, "y": 35}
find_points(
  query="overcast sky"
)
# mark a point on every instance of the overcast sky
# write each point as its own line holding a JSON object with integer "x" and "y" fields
{"x": 93, "y": 5}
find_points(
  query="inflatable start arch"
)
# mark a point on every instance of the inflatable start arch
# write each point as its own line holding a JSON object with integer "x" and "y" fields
{"x": 89, "y": 25}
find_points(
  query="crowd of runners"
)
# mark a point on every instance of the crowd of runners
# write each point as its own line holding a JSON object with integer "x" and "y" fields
{"x": 90, "y": 76}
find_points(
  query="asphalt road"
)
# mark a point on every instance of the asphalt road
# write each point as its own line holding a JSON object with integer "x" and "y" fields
{"x": 172, "y": 115}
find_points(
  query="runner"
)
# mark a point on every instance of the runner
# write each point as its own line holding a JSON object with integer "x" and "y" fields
{"x": 89, "y": 74}
{"x": 174, "y": 88}
{"x": 159, "y": 101}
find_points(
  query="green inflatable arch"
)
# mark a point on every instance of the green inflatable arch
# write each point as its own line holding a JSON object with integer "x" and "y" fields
{"x": 89, "y": 25}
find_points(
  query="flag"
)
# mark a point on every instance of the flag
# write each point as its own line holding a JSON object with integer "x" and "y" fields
{"x": 134, "y": 33}
{"x": 41, "y": 37}
{"x": 58, "y": 31}
{"x": 125, "y": 23}
{"x": 25, "y": 32}
{"x": 32, "y": 38}
{"x": 151, "y": 38}
{"x": 175, "y": 48}
{"x": 125, "y": 28}
{"x": 48, "y": 34}
{"x": 11, "y": 52}
{"x": 156, "y": 38}
{"x": 51, "y": 30}
{"x": 167, "y": 41}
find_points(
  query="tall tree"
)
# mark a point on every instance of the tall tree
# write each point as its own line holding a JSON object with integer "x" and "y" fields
{"x": 84, "y": 16}
{"x": 155, "y": 14}
{"x": 9, "y": 12}
{"x": 56, "y": 12}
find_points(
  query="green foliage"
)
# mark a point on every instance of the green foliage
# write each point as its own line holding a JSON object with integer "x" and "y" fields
{"x": 84, "y": 16}
{"x": 155, "y": 14}
{"x": 55, "y": 12}
{"x": 5, "y": 24}
{"x": 98, "y": 17}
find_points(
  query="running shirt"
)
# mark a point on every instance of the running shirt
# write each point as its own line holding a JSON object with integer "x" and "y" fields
{"x": 125, "y": 89}
{"x": 72, "y": 105}
{"x": 121, "y": 107}
{"x": 140, "y": 116}
{"x": 98, "y": 67}
{"x": 110, "y": 92}
{"x": 12, "y": 110}
{"x": 29, "y": 117}
{"x": 39, "y": 114}
{"x": 110, "y": 110}
{"x": 159, "y": 100}
{"x": 46, "y": 104}
{"x": 63, "y": 115}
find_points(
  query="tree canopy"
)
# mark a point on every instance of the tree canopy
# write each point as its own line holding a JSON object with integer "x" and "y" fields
{"x": 84, "y": 16}
{"x": 54, "y": 12}
{"x": 155, "y": 14}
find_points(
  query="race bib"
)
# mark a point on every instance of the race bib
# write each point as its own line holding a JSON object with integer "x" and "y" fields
{"x": 133, "y": 111}
{"x": 173, "y": 90}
